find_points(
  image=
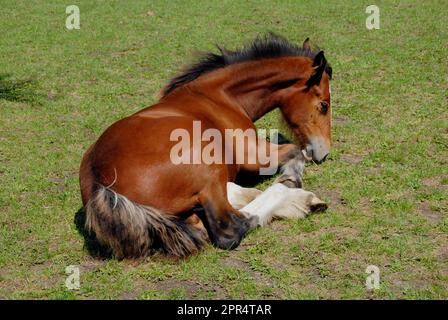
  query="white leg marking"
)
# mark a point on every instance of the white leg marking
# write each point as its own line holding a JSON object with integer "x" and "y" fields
{"x": 238, "y": 196}
{"x": 265, "y": 205}
{"x": 297, "y": 206}
{"x": 278, "y": 201}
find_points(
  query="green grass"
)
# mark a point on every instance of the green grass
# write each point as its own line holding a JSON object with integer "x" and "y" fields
{"x": 386, "y": 180}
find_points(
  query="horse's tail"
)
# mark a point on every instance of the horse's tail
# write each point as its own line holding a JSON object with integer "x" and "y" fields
{"x": 133, "y": 230}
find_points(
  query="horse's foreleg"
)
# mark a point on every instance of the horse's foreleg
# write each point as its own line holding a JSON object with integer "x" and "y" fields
{"x": 266, "y": 204}
{"x": 271, "y": 156}
{"x": 279, "y": 201}
{"x": 291, "y": 171}
{"x": 299, "y": 204}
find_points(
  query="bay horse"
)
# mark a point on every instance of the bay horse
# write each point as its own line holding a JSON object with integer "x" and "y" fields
{"x": 137, "y": 201}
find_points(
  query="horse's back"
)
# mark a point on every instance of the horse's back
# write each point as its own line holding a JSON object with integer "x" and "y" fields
{"x": 134, "y": 156}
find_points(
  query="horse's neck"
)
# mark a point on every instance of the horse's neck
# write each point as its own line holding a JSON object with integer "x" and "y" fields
{"x": 246, "y": 87}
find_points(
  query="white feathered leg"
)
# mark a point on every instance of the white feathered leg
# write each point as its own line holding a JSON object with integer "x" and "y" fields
{"x": 266, "y": 204}
{"x": 239, "y": 197}
{"x": 278, "y": 201}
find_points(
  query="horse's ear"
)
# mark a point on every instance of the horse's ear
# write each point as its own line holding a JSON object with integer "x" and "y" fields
{"x": 306, "y": 44}
{"x": 319, "y": 65}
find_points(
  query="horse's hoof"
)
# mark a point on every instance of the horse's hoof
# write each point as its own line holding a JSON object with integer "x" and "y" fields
{"x": 318, "y": 205}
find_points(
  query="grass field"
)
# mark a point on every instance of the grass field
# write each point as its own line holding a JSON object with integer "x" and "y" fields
{"x": 386, "y": 180}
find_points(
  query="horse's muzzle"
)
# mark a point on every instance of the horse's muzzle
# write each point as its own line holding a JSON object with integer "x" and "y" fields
{"x": 317, "y": 150}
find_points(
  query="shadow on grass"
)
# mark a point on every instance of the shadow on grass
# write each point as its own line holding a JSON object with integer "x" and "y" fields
{"x": 18, "y": 90}
{"x": 91, "y": 244}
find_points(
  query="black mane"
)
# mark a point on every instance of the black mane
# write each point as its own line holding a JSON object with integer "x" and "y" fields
{"x": 270, "y": 46}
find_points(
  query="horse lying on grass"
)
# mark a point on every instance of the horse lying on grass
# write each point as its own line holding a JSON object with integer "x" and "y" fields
{"x": 137, "y": 200}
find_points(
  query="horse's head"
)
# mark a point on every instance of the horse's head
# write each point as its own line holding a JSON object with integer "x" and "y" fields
{"x": 306, "y": 107}
{"x": 270, "y": 73}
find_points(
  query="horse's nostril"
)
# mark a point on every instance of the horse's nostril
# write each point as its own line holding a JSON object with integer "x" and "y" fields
{"x": 321, "y": 160}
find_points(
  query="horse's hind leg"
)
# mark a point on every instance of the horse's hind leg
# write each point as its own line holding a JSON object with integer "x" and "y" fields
{"x": 239, "y": 196}
{"x": 225, "y": 225}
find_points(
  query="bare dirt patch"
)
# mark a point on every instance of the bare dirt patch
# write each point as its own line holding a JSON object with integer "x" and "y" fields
{"x": 277, "y": 226}
{"x": 364, "y": 205}
{"x": 235, "y": 262}
{"x": 3, "y": 273}
{"x": 341, "y": 233}
{"x": 31, "y": 283}
{"x": 352, "y": 158}
{"x": 430, "y": 182}
{"x": 431, "y": 215}
{"x": 333, "y": 196}
{"x": 190, "y": 287}
{"x": 90, "y": 264}
{"x": 442, "y": 254}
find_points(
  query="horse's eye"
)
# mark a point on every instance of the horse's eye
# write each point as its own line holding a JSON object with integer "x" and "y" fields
{"x": 323, "y": 107}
